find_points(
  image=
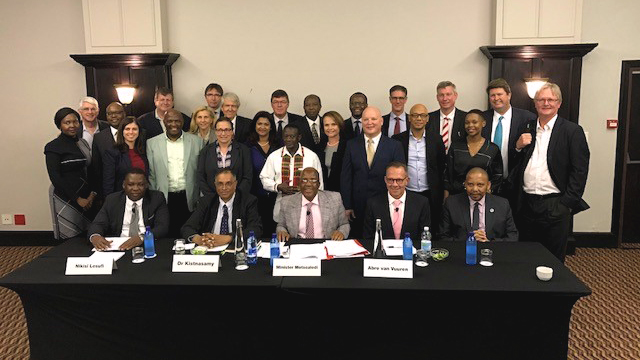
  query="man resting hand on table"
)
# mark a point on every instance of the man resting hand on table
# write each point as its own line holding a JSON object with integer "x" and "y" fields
{"x": 136, "y": 205}
{"x": 213, "y": 223}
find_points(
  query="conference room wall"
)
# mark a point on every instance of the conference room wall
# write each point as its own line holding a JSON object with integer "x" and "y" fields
{"x": 253, "y": 47}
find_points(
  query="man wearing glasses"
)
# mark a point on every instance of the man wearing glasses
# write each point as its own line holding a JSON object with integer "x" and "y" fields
{"x": 425, "y": 156}
{"x": 395, "y": 122}
{"x": 280, "y": 106}
{"x": 312, "y": 214}
{"x": 401, "y": 211}
{"x": 213, "y": 96}
{"x": 552, "y": 176}
{"x": 89, "y": 124}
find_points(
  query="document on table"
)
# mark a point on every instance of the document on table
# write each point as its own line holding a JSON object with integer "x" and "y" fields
{"x": 308, "y": 251}
{"x": 264, "y": 249}
{"x": 189, "y": 246}
{"x": 115, "y": 243}
{"x": 393, "y": 247}
{"x": 115, "y": 255}
{"x": 345, "y": 248}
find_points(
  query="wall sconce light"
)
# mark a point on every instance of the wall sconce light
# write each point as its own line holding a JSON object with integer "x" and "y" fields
{"x": 534, "y": 84}
{"x": 125, "y": 92}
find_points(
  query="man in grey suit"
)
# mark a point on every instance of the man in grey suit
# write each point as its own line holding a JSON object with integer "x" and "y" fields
{"x": 487, "y": 216}
{"x": 312, "y": 214}
{"x": 173, "y": 162}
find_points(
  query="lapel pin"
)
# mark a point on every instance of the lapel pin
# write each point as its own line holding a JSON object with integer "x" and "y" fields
{"x": 491, "y": 210}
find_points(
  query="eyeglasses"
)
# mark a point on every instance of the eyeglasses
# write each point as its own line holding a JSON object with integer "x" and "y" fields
{"x": 225, "y": 185}
{"x": 309, "y": 181}
{"x": 398, "y": 98}
{"x": 396, "y": 181}
{"x": 214, "y": 95}
{"x": 542, "y": 101}
{"x": 224, "y": 130}
{"x": 279, "y": 102}
{"x": 419, "y": 116}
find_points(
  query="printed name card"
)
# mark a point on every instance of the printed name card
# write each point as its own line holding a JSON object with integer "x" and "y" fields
{"x": 296, "y": 267}
{"x": 195, "y": 263}
{"x": 383, "y": 268}
{"x": 89, "y": 266}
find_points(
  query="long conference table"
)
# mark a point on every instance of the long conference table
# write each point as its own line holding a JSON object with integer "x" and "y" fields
{"x": 449, "y": 310}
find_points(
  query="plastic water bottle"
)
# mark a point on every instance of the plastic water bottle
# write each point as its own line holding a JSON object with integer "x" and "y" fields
{"x": 425, "y": 240}
{"x": 275, "y": 248}
{"x": 252, "y": 248}
{"x": 407, "y": 247}
{"x": 472, "y": 249}
{"x": 149, "y": 244}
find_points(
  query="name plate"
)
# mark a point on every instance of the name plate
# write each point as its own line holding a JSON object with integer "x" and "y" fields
{"x": 89, "y": 266}
{"x": 195, "y": 263}
{"x": 382, "y": 268}
{"x": 296, "y": 267}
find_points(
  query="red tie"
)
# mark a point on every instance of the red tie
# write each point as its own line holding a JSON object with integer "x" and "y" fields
{"x": 445, "y": 134}
{"x": 396, "y": 129}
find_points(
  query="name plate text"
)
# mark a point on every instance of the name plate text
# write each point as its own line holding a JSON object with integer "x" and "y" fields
{"x": 195, "y": 263}
{"x": 383, "y": 268}
{"x": 89, "y": 266}
{"x": 296, "y": 267}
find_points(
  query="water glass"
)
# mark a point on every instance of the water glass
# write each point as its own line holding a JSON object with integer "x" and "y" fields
{"x": 137, "y": 255}
{"x": 178, "y": 246}
{"x": 421, "y": 258}
{"x": 486, "y": 257}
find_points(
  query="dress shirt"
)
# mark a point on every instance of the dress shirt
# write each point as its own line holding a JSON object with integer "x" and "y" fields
{"x": 537, "y": 179}
{"x": 175, "y": 164}
{"x": 271, "y": 174}
{"x": 376, "y": 141}
{"x": 506, "y": 128}
{"x": 317, "y": 124}
{"x": 481, "y": 223}
{"x": 88, "y": 136}
{"x": 164, "y": 128}
{"x": 114, "y": 132}
{"x": 417, "y": 163}
{"x": 285, "y": 120}
{"x": 451, "y": 116}
{"x": 128, "y": 205}
{"x": 355, "y": 122}
{"x": 233, "y": 121}
{"x": 392, "y": 122}
{"x": 216, "y": 225}
{"x": 318, "y": 233}
{"x": 392, "y": 209}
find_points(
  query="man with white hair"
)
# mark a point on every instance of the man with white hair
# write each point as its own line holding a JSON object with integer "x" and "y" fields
{"x": 89, "y": 124}
{"x": 241, "y": 125}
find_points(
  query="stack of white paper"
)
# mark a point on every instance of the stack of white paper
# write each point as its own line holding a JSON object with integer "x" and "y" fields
{"x": 115, "y": 243}
{"x": 345, "y": 249}
{"x": 307, "y": 251}
{"x": 393, "y": 247}
{"x": 264, "y": 249}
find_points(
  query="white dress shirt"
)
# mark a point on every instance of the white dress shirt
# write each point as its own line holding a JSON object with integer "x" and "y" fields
{"x": 537, "y": 179}
{"x": 506, "y": 128}
{"x": 164, "y": 128}
{"x": 114, "y": 132}
{"x": 376, "y": 141}
{"x": 451, "y": 116}
{"x": 315, "y": 122}
{"x": 216, "y": 225}
{"x": 175, "y": 164}
{"x": 126, "y": 220}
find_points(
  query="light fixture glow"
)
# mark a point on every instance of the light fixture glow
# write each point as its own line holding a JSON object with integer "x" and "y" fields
{"x": 126, "y": 92}
{"x": 534, "y": 84}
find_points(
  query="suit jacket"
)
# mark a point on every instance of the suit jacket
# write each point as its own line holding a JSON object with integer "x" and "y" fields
{"x": 347, "y": 132}
{"x": 116, "y": 164}
{"x": 385, "y": 123}
{"x": 293, "y": 119}
{"x": 568, "y": 162}
{"x": 458, "y": 133}
{"x": 416, "y": 216}
{"x": 242, "y": 129}
{"x": 102, "y": 142}
{"x": 152, "y": 126}
{"x": 158, "y": 165}
{"x": 456, "y": 219}
{"x": 245, "y": 207}
{"x": 331, "y": 211}
{"x": 109, "y": 220}
{"x": 307, "y": 135}
{"x": 240, "y": 166}
{"x": 436, "y": 159}
{"x": 332, "y": 178}
{"x": 102, "y": 125}
{"x": 519, "y": 119}
{"x": 359, "y": 182}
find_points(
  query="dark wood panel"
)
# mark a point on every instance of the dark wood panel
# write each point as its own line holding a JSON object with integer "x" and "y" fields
{"x": 104, "y": 79}
{"x": 560, "y": 71}
{"x": 515, "y": 71}
{"x": 633, "y": 126}
{"x": 631, "y": 213}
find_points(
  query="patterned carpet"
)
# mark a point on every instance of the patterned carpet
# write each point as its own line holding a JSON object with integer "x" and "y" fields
{"x": 604, "y": 326}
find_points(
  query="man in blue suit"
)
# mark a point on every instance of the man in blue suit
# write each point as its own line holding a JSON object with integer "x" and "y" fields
{"x": 364, "y": 167}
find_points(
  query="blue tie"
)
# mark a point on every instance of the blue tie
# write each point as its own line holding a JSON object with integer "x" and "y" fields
{"x": 224, "y": 224}
{"x": 497, "y": 137}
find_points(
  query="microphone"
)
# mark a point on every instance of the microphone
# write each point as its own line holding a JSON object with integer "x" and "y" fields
{"x": 308, "y": 212}
{"x": 397, "y": 209}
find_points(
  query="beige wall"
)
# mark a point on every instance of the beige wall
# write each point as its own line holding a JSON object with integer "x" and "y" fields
{"x": 330, "y": 48}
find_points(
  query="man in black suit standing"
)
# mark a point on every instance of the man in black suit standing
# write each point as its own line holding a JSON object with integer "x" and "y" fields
{"x": 552, "y": 176}
{"x": 395, "y": 122}
{"x": 280, "y": 105}
{"x": 311, "y": 128}
{"x": 134, "y": 204}
{"x": 213, "y": 223}
{"x": 152, "y": 122}
{"x": 505, "y": 124}
{"x": 353, "y": 125}
{"x": 241, "y": 125}
{"x": 364, "y": 166}
{"x": 106, "y": 140}
{"x": 424, "y": 151}
{"x": 400, "y": 211}
{"x": 448, "y": 121}
{"x": 486, "y": 215}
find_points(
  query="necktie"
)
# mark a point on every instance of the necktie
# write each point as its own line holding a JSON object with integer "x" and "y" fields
{"x": 133, "y": 224}
{"x": 314, "y": 133}
{"x": 445, "y": 134}
{"x": 497, "y": 137}
{"x": 310, "y": 231}
{"x": 396, "y": 129}
{"x": 397, "y": 221}
{"x": 280, "y": 129}
{"x": 224, "y": 224}
{"x": 475, "y": 224}
{"x": 370, "y": 152}
{"x": 357, "y": 129}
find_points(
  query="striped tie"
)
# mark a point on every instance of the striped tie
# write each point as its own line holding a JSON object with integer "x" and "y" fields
{"x": 445, "y": 134}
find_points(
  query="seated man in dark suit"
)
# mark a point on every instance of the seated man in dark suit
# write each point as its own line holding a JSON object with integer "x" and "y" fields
{"x": 213, "y": 223}
{"x": 152, "y": 122}
{"x": 488, "y": 216}
{"x": 399, "y": 210}
{"x": 123, "y": 208}
{"x": 312, "y": 214}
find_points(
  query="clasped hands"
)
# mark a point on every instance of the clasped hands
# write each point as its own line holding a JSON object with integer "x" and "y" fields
{"x": 211, "y": 240}
{"x": 284, "y": 236}
{"x": 101, "y": 244}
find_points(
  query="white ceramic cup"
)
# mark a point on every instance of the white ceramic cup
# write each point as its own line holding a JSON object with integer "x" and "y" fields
{"x": 544, "y": 273}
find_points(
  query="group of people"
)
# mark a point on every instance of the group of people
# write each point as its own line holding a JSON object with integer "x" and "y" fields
{"x": 504, "y": 173}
